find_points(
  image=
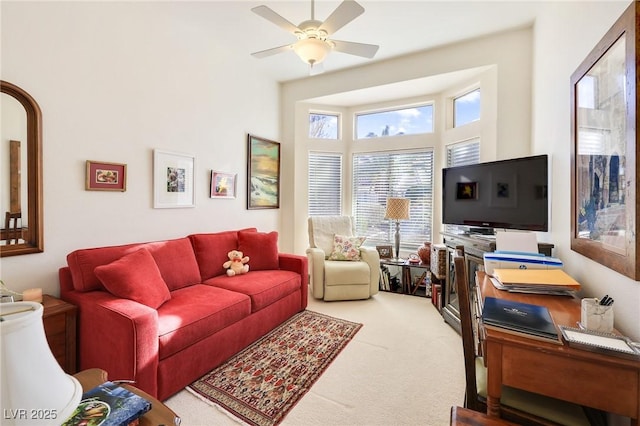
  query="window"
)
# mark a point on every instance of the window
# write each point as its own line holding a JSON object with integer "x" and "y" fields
{"x": 463, "y": 153}
{"x": 404, "y": 121}
{"x": 325, "y": 184}
{"x": 323, "y": 126}
{"x": 466, "y": 108}
{"x": 377, "y": 176}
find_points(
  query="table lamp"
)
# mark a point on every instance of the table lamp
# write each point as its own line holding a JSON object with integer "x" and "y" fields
{"x": 35, "y": 390}
{"x": 397, "y": 209}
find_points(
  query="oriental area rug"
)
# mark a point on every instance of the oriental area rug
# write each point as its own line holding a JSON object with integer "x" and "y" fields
{"x": 262, "y": 383}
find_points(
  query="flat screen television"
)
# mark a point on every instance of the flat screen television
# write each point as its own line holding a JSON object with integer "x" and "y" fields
{"x": 507, "y": 194}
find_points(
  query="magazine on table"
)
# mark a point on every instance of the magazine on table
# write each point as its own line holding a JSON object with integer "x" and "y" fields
{"x": 522, "y": 318}
{"x": 108, "y": 404}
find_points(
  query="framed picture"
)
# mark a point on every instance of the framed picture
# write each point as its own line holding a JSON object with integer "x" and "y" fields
{"x": 504, "y": 192}
{"x": 604, "y": 150}
{"x": 102, "y": 176}
{"x": 466, "y": 190}
{"x": 173, "y": 180}
{"x": 223, "y": 185}
{"x": 385, "y": 252}
{"x": 263, "y": 173}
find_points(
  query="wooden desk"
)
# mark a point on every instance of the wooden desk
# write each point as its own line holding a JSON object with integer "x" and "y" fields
{"x": 592, "y": 379}
{"x": 159, "y": 414}
{"x": 465, "y": 417}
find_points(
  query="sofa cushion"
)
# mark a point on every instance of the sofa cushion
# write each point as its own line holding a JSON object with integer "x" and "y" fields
{"x": 175, "y": 259}
{"x": 262, "y": 249}
{"x": 196, "y": 312}
{"x": 263, "y": 287}
{"x": 135, "y": 276}
{"x": 346, "y": 248}
{"x": 211, "y": 251}
{"x": 82, "y": 264}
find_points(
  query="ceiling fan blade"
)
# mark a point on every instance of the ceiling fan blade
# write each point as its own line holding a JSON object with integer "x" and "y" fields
{"x": 273, "y": 51}
{"x": 358, "y": 49}
{"x": 345, "y": 13}
{"x": 273, "y": 17}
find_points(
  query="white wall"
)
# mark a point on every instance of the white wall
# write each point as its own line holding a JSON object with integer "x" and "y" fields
{"x": 565, "y": 33}
{"x": 116, "y": 80}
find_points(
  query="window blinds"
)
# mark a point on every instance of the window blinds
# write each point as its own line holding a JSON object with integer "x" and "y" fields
{"x": 325, "y": 184}
{"x": 379, "y": 175}
{"x": 463, "y": 153}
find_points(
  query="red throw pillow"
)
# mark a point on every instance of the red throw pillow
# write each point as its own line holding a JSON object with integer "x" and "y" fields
{"x": 262, "y": 249}
{"x": 135, "y": 276}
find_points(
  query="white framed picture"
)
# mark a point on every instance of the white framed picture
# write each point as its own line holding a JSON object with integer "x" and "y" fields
{"x": 173, "y": 180}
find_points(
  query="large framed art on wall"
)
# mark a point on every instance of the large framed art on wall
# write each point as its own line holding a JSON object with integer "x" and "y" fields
{"x": 604, "y": 149}
{"x": 263, "y": 173}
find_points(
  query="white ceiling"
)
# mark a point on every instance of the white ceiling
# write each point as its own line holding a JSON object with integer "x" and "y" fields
{"x": 398, "y": 27}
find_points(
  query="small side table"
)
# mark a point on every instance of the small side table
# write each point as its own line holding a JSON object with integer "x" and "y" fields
{"x": 59, "y": 319}
{"x": 406, "y": 281}
{"x": 159, "y": 414}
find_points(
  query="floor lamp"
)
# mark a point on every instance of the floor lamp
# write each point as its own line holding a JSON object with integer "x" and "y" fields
{"x": 397, "y": 209}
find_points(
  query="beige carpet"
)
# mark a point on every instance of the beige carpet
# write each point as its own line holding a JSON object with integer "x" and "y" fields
{"x": 404, "y": 367}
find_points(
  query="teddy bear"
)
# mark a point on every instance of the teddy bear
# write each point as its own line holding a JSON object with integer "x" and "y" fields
{"x": 237, "y": 263}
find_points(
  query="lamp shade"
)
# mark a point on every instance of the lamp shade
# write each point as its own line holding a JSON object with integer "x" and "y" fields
{"x": 35, "y": 389}
{"x": 397, "y": 208}
{"x": 311, "y": 50}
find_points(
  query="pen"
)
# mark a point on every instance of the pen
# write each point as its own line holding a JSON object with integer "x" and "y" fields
{"x": 606, "y": 301}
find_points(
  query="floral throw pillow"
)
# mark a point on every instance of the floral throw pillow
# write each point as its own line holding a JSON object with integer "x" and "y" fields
{"x": 346, "y": 248}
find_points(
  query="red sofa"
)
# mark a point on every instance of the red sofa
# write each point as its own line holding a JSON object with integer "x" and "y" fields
{"x": 165, "y": 313}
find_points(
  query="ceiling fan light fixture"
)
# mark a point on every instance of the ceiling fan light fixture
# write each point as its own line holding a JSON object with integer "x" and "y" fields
{"x": 311, "y": 50}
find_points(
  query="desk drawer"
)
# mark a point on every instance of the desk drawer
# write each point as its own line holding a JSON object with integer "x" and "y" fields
{"x": 604, "y": 386}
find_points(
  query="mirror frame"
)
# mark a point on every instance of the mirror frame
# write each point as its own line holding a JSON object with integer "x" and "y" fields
{"x": 33, "y": 238}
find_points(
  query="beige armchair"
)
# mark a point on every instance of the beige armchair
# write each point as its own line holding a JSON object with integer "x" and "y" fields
{"x": 339, "y": 279}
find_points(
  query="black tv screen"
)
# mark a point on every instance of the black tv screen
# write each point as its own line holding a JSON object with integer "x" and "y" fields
{"x": 508, "y": 194}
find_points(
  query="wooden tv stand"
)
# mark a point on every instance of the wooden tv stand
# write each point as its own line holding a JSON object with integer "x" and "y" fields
{"x": 474, "y": 247}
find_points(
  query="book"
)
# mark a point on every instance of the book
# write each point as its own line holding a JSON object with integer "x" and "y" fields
{"x": 597, "y": 341}
{"x": 521, "y": 318}
{"x": 536, "y": 278}
{"x": 108, "y": 404}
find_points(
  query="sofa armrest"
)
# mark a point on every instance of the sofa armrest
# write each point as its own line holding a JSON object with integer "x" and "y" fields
{"x": 371, "y": 256}
{"x": 299, "y": 264}
{"x": 117, "y": 335}
{"x": 316, "y": 266}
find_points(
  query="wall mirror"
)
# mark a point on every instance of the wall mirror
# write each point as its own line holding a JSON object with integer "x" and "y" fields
{"x": 605, "y": 151}
{"x": 21, "y": 215}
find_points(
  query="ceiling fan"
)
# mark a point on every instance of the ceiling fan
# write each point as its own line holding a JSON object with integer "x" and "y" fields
{"x": 313, "y": 43}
